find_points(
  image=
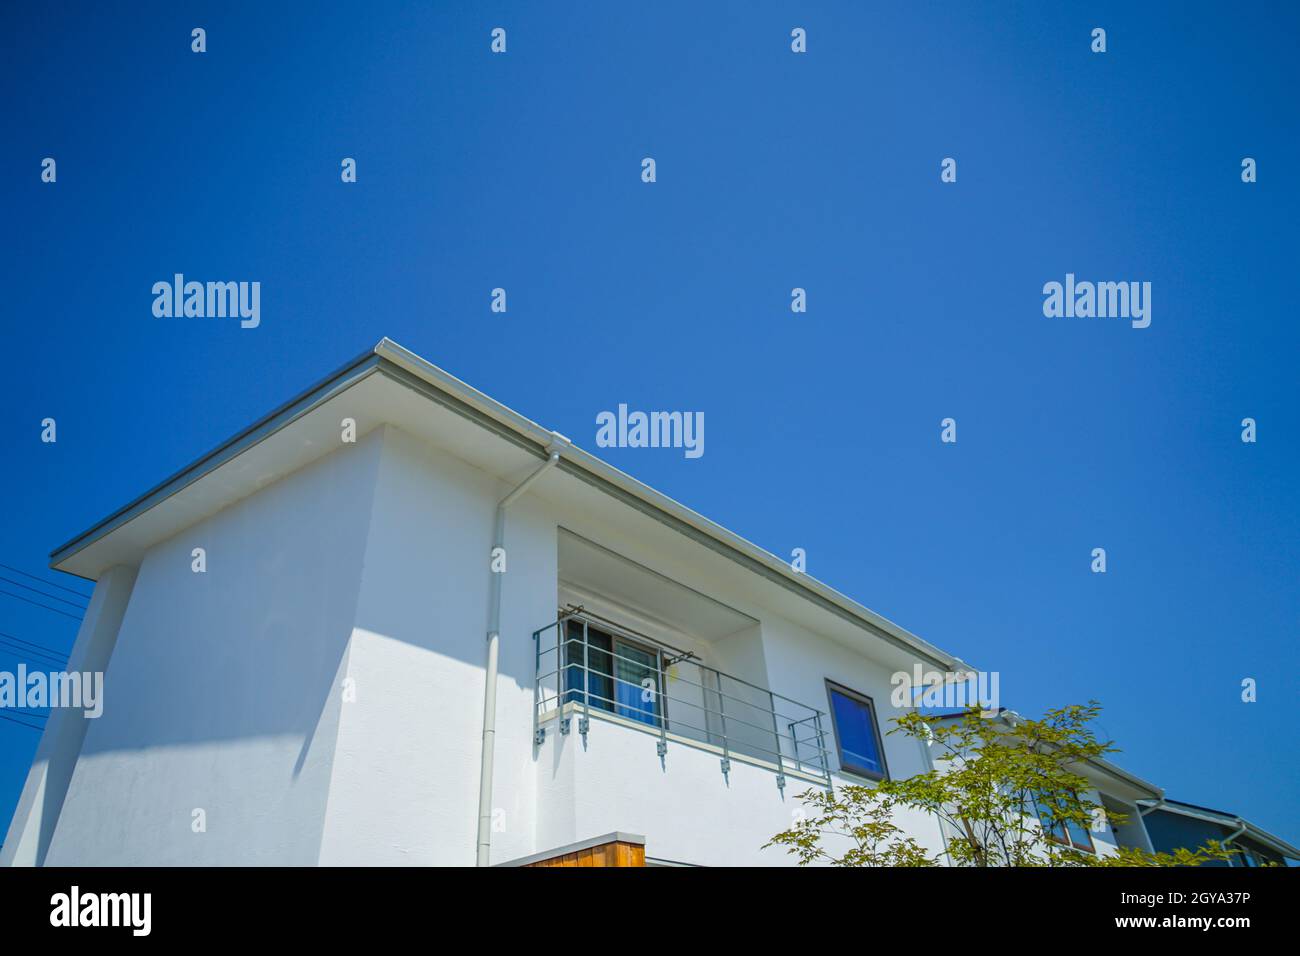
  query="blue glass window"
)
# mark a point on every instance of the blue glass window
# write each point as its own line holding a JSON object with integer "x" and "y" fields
{"x": 856, "y": 733}
{"x": 621, "y": 676}
{"x": 1066, "y": 832}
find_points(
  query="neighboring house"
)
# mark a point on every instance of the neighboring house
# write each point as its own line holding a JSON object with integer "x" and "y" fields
{"x": 1119, "y": 793}
{"x": 1175, "y": 825}
{"x": 317, "y": 694}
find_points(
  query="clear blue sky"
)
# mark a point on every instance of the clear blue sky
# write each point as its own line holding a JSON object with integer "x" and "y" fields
{"x": 775, "y": 170}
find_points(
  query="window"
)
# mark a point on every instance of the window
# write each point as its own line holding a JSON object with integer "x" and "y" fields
{"x": 622, "y": 676}
{"x": 853, "y": 716}
{"x": 1065, "y": 832}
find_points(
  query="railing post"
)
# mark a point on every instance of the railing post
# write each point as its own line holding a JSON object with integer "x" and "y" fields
{"x": 722, "y": 721}
{"x": 585, "y": 723}
{"x": 562, "y": 673}
{"x": 776, "y": 741}
{"x": 662, "y": 745}
{"x": 821, "y": 746}
{"x": 539, "y": 733}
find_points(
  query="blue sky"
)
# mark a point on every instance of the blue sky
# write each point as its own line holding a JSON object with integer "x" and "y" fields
{"x": 774, "y": 170}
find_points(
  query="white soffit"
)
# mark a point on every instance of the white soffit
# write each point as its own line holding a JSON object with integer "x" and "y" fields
{"x": 391, "y": 384}
{"x": 371, "y": 401}
{"x": 586, "y": 566}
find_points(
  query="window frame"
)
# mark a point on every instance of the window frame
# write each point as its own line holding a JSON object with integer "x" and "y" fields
{"x": 597, "y": 702}
{"x": 1060, "y": 833}
{"x": 866, "y": 773}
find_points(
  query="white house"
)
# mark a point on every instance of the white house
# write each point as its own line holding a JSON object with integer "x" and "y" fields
{"x": 1118, "y": 797}
{"x": 295, "y": 632}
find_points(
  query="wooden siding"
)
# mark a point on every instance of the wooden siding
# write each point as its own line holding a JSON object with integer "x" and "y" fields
{"x": 606, "y": 854}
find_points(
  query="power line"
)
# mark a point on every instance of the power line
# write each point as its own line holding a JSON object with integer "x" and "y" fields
{"x": 53, "y": 650}
{"x": 39, "y": 604}
{"x": 43, "y": 581}
{"x": 21, "y": 723}
{"x": 29, "y": 712}
{"x": 52, "y": 597}
{"x": 19, "y": 652}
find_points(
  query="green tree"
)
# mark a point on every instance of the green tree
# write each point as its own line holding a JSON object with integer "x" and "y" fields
{"x": 1003, "y": 785}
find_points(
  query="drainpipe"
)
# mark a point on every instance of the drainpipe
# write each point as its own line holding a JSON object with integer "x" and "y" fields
{"x": 493, "y": 649}
{"x": 1239, "y": 831}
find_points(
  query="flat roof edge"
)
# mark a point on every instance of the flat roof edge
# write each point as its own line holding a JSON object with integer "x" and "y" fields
{"x": 576, "y": 461}
{"x": 387, "y": 354}
{"x": 1226, "y": 819}
{"x": 343, "y": 377}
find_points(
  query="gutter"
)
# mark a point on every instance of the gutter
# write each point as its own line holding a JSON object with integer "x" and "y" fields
{"x": 1011, "y": 718}
{"x": 587, "y": 467}
{"x": 1155, "y": 806}
{"x": 409, "y": 369}
{"x": 1236, "y": 833}
{"x": 1277, "y": 844}
{"x": 304, "y": 402}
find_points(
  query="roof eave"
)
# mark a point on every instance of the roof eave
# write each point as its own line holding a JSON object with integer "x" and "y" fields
{"x": 387, "y": 355}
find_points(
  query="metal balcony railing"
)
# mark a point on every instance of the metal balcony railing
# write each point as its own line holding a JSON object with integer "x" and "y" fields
{"x": 590, "y": 667}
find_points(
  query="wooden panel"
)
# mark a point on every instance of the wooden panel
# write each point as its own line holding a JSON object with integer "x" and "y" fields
{"x": 606, "y": 854}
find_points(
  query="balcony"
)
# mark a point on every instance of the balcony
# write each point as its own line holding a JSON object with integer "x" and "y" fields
{"x": 588, "y": 667}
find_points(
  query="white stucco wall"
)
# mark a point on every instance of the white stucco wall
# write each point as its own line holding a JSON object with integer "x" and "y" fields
{"x": 687, "y": 811}
{"x": 800, "y": 662}
{"x": 45, "y": 789}
{"x": 405, "y": 778}
{"x": 220, "y": 694}
{"x": 367, "y": 572}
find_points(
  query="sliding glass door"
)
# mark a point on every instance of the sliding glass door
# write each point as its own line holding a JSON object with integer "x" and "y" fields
{"x": 621, "y": 676}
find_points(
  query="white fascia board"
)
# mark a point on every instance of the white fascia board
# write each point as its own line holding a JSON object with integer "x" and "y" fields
{"x": 1229, "y": 820}
{"x": 1009, "y": 718}
{"x": 584, "y": 464}
{"x": 391, "y": 359}
{"x": 266, "y": 426}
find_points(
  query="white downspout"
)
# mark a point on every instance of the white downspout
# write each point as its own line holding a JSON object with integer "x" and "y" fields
{"x": 1228, "y": 840}
{"x": 1143, "y": 811}
{"x": 493, "y": 650}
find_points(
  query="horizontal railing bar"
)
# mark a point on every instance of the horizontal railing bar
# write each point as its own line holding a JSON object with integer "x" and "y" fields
{"x": 673, "y": 726}
{"x": 809, "y": 758}
{"x": 678, "y": 679}
{"x": 633, "y": 634}
{"x": 680, "y": 700}
{"x": 711, "y": 690}
{"x": 576, "y": 696}
{"x": 801, "y": 767}
{"x": 604, "y": 623}
{"x": 814, "y": 744}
